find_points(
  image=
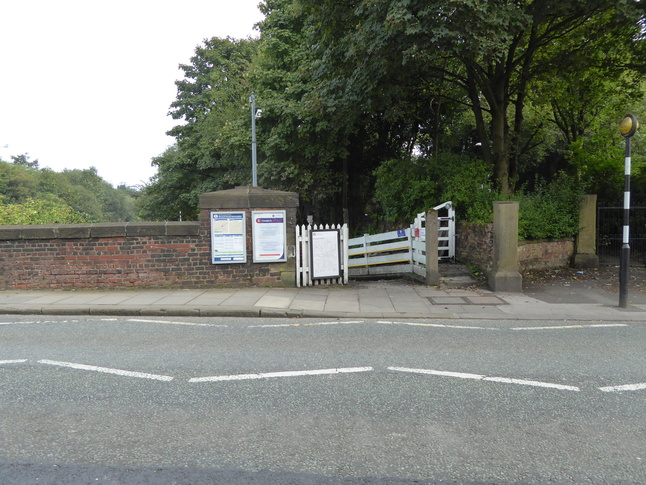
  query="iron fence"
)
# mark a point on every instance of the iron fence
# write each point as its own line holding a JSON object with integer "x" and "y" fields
{"x": 610, "y": 221}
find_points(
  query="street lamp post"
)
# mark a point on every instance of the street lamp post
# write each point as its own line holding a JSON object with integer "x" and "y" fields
{"x": 628, "y": 126}
{"x": 254, "y": 171}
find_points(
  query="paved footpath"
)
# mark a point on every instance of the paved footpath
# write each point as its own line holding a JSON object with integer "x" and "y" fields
{"x": 361, "y": 299}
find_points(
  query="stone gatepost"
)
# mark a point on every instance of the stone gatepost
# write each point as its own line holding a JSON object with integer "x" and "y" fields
{"x": 585, "y": 247}
{"x": 432, "y": 231}
{"x": 262, "y": 264}
{"x": 504, "y": 277}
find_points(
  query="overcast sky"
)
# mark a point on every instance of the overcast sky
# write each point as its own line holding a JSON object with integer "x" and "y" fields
{"x": 89, "y": 82}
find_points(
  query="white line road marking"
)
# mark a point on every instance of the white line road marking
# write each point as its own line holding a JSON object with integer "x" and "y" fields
{"x": 166, "y": 322}
{"x": 332, "y": 323}
{"x": 524, "y": 382}
{"x": 562, "y": 327}
{"x": 269, "y": 375}
{"x": 276, "y": 325}
{"x": 17, "y": 361}
{"x": 505, "y": 380}
{"x": 412, "y": 324}
{"x": 315, "y": 324}
{"x": 33, "y": 322}
{"x": 106, "y": 370}
{"x": 627, "y": 387}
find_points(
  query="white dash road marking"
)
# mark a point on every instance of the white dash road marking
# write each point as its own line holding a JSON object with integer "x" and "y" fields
{"x": 626, "y": 387}
{"x": 35, "y": 322}
{"x": 106, "y": 370}
{"x": 166, "y": 322}
{"x": 439, "y": 325}
{"x": 315, "y": 324}
{"x": 562, "y": 327}
{"x": 17, "y": 361}
{"x": 269, "y": 375}
{"x": 505, "y": 380}
{"x": 524, "y": 382}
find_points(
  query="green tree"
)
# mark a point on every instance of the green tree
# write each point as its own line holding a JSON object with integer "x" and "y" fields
{"x": 17, "y": 182}
{"x": 492, "y": 50}
{"x": 24, "y": 161}
{"x": 212, "y": 150}
{"x": 83, "y": 191}
{"x": 171, "y": 194}
{"x": 321, "y": 140}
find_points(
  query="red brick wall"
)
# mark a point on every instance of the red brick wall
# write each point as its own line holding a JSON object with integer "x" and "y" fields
{"x": 122, "y": 255}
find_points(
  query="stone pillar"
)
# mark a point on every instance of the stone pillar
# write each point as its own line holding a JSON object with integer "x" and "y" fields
{"x": 432, "y": 233}
{"x": 585, "y": 246}
{"x": 504, "y": 277}
{"x": 247, "y": 200}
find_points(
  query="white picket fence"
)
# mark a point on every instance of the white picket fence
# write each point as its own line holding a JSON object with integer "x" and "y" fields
{"x": 304, "y": 256}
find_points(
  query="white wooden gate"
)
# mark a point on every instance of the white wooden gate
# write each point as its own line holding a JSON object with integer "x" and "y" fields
{"x": 402, "y": 251}
{"x": 304, "y": 257}
{"x": 446, "y": 230}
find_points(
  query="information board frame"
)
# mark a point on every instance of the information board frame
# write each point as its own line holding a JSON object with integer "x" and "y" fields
{"x": 228, "y": 237}
{"x": 269, "y": 236}
{"x": 325, "y": 253}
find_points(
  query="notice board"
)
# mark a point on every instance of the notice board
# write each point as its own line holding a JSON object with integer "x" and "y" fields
{"x": 269, "y": 234}
{"x": 325, "y": 251}
{"x": 228, "y": 238}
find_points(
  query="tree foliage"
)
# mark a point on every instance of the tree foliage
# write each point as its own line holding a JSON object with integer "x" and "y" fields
{"x": 212, "y": 150}
{"x": 494, "y": 51}
{"x": 68, "y": 196}
{"x": 381, "y": 108}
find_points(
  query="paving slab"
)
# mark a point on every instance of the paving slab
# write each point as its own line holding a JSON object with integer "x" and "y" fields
{"x": 273, "y": 301}
{"x": 358, "y": 300}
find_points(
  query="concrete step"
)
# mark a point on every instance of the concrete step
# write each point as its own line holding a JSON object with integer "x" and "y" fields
{"x": 456, "y": 275}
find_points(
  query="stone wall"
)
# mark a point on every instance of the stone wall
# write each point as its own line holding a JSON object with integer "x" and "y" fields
{"x": 474, "y": 245}
{"x": 545, "y": 254}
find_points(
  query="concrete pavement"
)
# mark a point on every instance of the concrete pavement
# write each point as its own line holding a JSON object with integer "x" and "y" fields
{"x": 400, "y": 299}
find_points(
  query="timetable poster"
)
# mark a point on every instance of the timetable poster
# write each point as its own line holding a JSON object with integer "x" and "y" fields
{"x": 269, "y": 233}
{"x": 325, "y": 251}
{"x": 228, "y": 238}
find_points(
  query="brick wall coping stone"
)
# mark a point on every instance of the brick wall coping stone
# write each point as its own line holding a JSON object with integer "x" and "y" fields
{"x": 248, "y": 198}
{"x": 111, "y": 229}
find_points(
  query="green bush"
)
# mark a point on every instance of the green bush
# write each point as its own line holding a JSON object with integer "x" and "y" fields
{"x": 466, "y": 181}
{"x": 408, "y": 186}
{"x": 551, "y": 211}
{"x": 40, "y": 211}
{"x": 405, "y": 187}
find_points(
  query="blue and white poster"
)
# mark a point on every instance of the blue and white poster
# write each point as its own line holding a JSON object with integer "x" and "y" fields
{"x": 269, "y": 234}
{"x": 228, "y": 238}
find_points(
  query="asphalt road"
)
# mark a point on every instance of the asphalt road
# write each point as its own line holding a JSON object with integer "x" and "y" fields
{"x": 140, "y": 400}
